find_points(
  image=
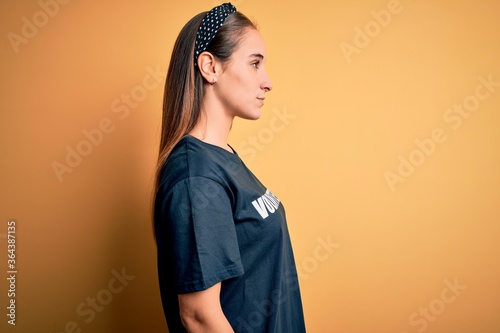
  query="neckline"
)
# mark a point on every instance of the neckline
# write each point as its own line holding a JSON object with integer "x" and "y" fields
{"x": 234, "y": 153}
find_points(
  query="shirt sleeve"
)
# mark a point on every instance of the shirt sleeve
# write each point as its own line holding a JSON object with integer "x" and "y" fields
{"x": 200, "y": 231}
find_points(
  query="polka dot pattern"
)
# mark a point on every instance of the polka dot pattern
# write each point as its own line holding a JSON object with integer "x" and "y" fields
{"x": 209, "y": 26}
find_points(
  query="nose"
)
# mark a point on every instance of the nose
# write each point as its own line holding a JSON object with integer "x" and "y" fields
{"x": 266, "y": 84}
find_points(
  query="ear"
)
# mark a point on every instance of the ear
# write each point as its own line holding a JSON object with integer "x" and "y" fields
{"x": 208, "y": 66}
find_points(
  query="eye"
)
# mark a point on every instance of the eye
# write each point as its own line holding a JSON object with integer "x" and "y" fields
{"x": 256, "y": 64}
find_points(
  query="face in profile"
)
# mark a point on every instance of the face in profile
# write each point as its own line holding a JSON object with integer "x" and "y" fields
{"x": 242, "y": 85}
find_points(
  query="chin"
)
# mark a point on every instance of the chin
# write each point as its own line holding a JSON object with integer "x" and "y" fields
{"x": 251, "y": 115}
{"x": 256, "y": 116}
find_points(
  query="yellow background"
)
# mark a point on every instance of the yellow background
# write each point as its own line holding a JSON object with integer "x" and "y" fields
{"x": 351, "y": 119}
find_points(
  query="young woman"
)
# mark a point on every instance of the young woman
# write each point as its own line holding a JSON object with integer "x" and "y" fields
{"x": 225, "y": 261}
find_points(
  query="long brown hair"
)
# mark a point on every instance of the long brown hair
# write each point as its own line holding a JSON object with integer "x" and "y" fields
{"x": 184, "y": 86}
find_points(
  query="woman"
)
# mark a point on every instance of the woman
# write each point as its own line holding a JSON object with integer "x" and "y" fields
{"x": 225, "y": 261}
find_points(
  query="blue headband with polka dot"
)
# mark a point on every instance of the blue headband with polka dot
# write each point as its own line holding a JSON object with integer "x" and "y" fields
{"x": 209, "y": 26}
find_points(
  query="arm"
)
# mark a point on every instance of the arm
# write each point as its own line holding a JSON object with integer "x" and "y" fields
{"x": 201, "y": 311}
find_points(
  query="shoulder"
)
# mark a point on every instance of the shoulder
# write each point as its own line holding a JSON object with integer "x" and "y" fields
{"x": 192, "y": 158}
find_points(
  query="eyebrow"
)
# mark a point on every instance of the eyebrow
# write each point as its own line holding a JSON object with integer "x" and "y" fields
{"x": 256, "y": 55}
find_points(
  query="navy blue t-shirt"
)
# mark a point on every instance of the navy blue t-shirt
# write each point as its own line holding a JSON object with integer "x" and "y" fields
{"x": 215, "y": 222}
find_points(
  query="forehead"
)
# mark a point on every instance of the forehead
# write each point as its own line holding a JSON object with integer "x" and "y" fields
{"x": 252, "y": 43}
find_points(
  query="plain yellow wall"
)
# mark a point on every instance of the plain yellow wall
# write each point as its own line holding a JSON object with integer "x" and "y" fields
{"x": 380, "y": 136}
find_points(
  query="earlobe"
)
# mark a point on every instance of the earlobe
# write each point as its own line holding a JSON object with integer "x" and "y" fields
{"x": 207, "y": 66}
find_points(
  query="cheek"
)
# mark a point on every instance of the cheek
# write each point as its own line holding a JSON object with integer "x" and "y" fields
{"x": 241, "y": 85}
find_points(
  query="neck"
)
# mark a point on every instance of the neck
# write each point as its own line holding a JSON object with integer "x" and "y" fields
{"x": 214, "y": 124}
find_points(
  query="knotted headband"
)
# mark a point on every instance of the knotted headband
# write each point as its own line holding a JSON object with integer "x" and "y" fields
{"x": 209, "y": 26}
